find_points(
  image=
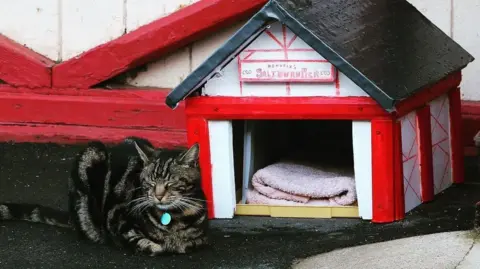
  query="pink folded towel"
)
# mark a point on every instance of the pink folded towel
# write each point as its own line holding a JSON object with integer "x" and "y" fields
{"x": 291, "y": 183}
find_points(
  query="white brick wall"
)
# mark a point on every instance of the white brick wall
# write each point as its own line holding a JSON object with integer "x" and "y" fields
{"x": 61, "y": 29}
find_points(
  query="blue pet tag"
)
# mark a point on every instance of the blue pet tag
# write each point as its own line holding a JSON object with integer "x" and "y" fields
{"x": 165, "y": 219}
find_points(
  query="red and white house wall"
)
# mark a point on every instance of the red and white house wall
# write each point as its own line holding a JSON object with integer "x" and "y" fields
{"x": 400, "y": 161}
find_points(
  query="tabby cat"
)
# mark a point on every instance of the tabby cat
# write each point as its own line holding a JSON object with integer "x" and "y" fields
{"x": 132, "y": 195}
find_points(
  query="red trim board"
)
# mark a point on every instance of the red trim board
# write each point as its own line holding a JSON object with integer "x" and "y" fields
{"x": 352, "y": 108}
{"x": 429, "y": 94}
{"x": 399, "y": 194}
{"x": 454, "y": 98}
{"x": 198, "y": 133}
{"x": 152, "y": 94}
{"x": 424, "y": 131}
{"x": 68, "y": 116}
{"x": 20, "y": 66}
{"x": 387, "y": 195}
{"x": 470, "y": 125}
{"x": 75, "y": 134}
{"x": 151, "y": 41}
{"x": 97, "y": 111}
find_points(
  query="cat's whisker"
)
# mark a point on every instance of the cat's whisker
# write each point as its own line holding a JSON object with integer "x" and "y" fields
{"x": 191, "y": 202}
{"x": 140, "y": 207}
{"x": 195, "y": 199}
{"x": 136, "y": 200}
{"x": 179, "y": 206}
{"x": 184, "y": 206}
{"x": 190, "y": 205}
{"x": 135, "y": 189}
{"x": 189, "y": 198}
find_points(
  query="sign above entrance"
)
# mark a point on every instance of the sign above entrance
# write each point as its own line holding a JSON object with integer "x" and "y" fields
{"x": 286, "y": 71}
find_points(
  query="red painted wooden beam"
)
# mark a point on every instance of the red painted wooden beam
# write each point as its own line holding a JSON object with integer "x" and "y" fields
{"x": 456, "y": 147}
{"x": 429, "y": 94}
{"x": 20, "y": 66}
{"x": 150, "y": 41}
{"x": 76, "y": 116}
{"x": 198, "y": 133}
{"x": 130, "y": 109}
{"x": 387, "y": 174}
{"x": 75, "y": 134}
{"x": 426, "y": 153}
{"x": 470, "y": 123}
{"x": 358, "y": 108}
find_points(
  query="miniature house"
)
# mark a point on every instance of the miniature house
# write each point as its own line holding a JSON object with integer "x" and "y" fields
{"x": 370, "y": 87}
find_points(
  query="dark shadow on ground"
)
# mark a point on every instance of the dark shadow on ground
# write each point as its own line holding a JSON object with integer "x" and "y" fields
{"x": 246, "y": 242}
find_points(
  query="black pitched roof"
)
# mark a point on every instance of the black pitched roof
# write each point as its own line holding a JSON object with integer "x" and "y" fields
{"x": 387, "y": 47}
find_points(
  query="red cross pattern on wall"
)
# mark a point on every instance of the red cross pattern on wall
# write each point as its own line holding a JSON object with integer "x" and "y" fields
{"x": 286, "y": 49}
{"x": 441, "y": 144}
{"x": 411, "y": 169}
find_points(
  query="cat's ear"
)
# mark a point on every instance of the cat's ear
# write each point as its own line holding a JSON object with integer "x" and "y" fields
{"x": 190, "y": 157}
{"x": 142, "y": 153}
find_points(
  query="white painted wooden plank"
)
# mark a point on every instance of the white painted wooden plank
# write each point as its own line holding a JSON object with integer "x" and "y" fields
{"x": 167, "y": 72}
{"x": 141, "y": 12}
{"x": 411, "y": 162}
{"x": 248, "y": 157}
{"x": 362, "y": 158}
{"x": 174, "y": 68}
{"x": 202, "y": 49}
{"x": 171, "y": 69}
{"x": 441, "y": 151}
{"x": 223, "y": 174}
{"x": 467, "y": 33}
{"x": 32, "y": 23}
{"x": 89, "y": 23}
{"x": 172, "y": 6}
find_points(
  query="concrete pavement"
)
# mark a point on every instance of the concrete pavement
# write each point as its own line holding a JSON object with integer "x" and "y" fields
{"x": 451, "y": 250}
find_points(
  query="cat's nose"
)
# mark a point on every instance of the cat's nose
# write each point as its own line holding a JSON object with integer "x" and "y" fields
{"x": 159, "y": 191}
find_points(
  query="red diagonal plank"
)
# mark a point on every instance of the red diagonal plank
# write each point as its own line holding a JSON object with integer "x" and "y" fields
{"x": 150, "y": 41}
{"x": 20, "y": 66}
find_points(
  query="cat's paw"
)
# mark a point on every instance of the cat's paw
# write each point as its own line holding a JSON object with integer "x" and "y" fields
{"x": 186, "y": 247}
{"x": 196, "y": 243}
{"x": 182, "y": 250}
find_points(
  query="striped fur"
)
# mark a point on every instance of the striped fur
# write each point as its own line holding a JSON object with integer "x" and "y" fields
{"x": 34, "y": 213}
{"x": 117, "y": 195}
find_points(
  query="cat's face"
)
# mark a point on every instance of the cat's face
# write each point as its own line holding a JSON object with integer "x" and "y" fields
{"x": 169, "y": 183}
